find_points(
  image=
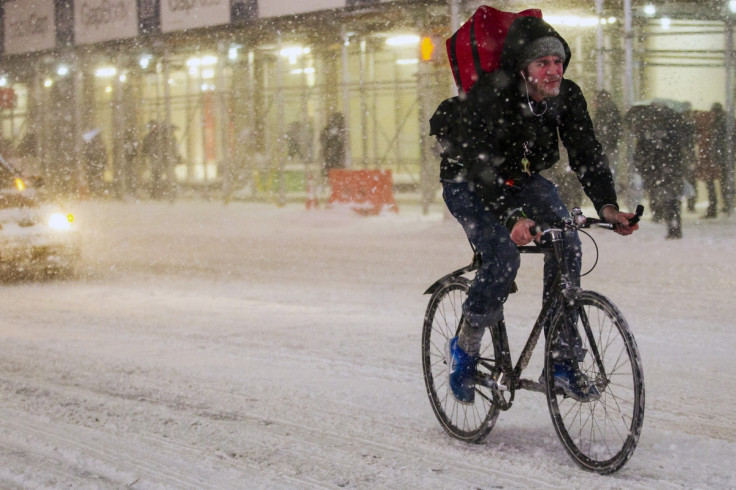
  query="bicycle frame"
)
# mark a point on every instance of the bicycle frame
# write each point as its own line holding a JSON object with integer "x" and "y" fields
{"x": 553, "y": 306}
{"x": 560, "y": 295}
{"x": 562, "y": 289}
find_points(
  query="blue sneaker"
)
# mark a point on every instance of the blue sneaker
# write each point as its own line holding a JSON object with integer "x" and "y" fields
{"x": 462, "y": 369}
{"x": 574, "y": 383}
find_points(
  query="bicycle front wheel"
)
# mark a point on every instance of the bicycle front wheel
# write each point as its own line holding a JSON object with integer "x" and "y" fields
{"x": 468, "y": 422}
{"x": 601, "y": 432}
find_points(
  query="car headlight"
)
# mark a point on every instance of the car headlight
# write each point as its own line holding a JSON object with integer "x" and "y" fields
{"x": 60, "y": 221}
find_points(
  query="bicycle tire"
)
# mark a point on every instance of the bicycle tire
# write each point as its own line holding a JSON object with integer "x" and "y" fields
{"x": 467, "y": 422}
{"x": 600, "y": 435}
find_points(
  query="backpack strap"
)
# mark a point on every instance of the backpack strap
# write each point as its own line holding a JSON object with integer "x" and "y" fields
{"x": 474, "y": 48}
{"x": 453, "y": 61}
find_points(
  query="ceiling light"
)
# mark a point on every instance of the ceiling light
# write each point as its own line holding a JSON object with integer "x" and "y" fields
{"x": 404, "y": 40}
{"x": 106, "y": 71}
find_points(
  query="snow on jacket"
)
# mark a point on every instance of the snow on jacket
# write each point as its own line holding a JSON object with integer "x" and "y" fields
{"x": 498, "y": 129}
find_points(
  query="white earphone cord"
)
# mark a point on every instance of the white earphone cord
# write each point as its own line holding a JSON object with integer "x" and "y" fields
{"x": 529, "y": 102}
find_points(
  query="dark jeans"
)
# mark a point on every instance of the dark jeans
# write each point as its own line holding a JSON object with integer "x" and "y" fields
{"x": 500, "y": 257}
{"x": 710, "y": 184}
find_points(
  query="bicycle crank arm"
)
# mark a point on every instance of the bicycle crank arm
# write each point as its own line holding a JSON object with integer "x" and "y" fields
{"x": 528, "y": 384}
{"x": 490, "y": 383}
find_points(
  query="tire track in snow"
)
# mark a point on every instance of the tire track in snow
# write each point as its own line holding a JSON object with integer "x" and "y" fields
{"x": 99, "y": 456}
{"x": 309, "y": 448}
{"x": 304, "y": 445}
{"x": 95, "y": 451}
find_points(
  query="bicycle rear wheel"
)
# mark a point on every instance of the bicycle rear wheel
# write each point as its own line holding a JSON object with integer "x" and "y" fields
{"x": 602, "y": 433}
{"x": 468, "y": 422}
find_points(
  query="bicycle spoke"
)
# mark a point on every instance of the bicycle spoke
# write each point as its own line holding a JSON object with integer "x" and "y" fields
{"x": 583, "y": 316}
{"x": 469, "y": 422}
{"x": 601, "y": 434}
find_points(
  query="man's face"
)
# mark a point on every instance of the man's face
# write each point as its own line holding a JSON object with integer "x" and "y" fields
{"x": 543, "y": 76}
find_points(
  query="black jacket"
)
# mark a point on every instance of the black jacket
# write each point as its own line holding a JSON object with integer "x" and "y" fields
{"x": 660, "y": 134}
{"x": 445, "y": 126}
{"x": 497, "y": 129}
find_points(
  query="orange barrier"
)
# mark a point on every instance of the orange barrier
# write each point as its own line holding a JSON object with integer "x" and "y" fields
{"x": 365, "y": 191}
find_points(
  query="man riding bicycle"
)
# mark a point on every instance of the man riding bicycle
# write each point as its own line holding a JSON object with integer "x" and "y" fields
{"x": 495, "y": 141}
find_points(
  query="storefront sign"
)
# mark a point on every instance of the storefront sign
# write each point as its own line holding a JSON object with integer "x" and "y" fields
{"x": 29, "y": 26}
{"x": 104, "y": 20}
{"x": 180, "y": 15}
{"x": 270, "y": 8}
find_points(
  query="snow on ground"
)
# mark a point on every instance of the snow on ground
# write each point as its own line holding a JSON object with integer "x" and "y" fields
{"x": 251, "y": 346}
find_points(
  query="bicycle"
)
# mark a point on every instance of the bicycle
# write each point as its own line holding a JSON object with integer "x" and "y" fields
{"x": 599, "y": 434}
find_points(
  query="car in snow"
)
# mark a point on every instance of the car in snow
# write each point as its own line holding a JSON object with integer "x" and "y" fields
{"x": 36, "y": 235}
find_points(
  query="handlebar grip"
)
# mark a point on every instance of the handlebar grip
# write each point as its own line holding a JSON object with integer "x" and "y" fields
{"x": 639, "y": 211}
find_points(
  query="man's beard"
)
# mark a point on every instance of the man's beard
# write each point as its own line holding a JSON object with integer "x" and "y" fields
{"x": 547, "y": 88}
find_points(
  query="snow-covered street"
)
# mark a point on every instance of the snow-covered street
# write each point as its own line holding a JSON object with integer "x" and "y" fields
{"x": 249, "y": 346}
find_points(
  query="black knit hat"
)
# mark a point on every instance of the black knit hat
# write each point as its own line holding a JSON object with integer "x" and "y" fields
{"x": 541, "y": 47}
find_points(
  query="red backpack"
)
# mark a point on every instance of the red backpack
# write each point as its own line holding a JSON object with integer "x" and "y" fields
{"x": 477, "y": 45}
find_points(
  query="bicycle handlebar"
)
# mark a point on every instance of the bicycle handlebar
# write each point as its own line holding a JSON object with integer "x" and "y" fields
{"x": 578, "y": 221}
{"x": 603, "y": 224}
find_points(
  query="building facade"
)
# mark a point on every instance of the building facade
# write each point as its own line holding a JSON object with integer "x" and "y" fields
{"x": 241, "y": 89}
